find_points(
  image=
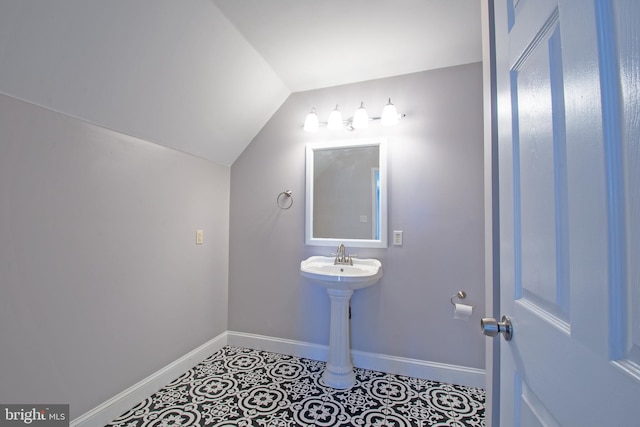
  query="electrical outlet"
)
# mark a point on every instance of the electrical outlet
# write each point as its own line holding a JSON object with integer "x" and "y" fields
{"x": 199, "y": 237}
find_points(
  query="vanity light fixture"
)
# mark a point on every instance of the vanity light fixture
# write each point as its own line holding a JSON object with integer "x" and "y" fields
{"x": 335, "y": 119}
{"x": 311, "y": 122}
{"x": 360, "y": 119}
{"x": 389, "y": 115}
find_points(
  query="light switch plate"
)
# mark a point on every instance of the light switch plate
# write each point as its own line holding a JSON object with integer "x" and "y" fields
{"x": 397, "y": 238}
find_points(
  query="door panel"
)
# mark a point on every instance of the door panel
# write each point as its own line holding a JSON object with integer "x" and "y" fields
{"x": 627, "y": 346}
{"x": 540, "y": 202}
{"x": 568, "y": 118}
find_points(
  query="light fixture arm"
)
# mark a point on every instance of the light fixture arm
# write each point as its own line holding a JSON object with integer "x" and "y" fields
{"x": 348, "y": 123}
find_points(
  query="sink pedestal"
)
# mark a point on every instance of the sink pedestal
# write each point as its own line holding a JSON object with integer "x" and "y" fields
{"x": 340, "y": 280}
{"x": 339, "y": 371}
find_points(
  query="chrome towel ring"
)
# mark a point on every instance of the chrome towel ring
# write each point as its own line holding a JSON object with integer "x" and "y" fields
{"x": 285, "y": 199}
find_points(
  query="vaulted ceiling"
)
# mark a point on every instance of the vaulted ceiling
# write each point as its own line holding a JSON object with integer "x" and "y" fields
{"x": 204, "y": 76}
{"x": 314, "y": 44}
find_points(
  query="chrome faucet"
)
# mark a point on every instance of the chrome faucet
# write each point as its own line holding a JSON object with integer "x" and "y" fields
{"x": 341, "y": 256}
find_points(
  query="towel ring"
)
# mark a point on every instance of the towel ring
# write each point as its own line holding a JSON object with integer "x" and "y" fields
{"x": 285, "y": 200}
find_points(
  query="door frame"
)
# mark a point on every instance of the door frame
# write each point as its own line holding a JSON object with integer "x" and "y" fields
{"x": 491, "y": 211}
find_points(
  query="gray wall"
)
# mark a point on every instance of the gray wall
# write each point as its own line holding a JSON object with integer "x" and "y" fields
{"x": 435, "y": 197}
{"x": 101, "y": 283}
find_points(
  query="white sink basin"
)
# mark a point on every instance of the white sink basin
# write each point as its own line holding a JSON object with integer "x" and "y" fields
{"x": 363, "y": 272}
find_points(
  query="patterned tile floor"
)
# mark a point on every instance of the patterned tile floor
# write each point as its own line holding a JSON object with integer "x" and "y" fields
{"x": 243, "y": 387}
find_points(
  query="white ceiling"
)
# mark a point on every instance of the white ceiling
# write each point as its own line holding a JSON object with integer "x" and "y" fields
{"x": 204, "y": 76}
{"x": 322, "y": 43}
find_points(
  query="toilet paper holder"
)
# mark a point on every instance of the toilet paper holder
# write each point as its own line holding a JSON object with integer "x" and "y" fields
{"x": 459, "y": 295}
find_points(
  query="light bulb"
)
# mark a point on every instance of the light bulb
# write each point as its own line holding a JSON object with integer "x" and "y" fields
{"x": 389, "y": 115}
{"x": 335, "y": 119}
{"x": 311, "y": 122}
{"x": 360, "y": 118}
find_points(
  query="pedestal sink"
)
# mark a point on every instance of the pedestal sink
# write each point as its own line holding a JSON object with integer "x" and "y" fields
{"x": 340, "y": 280}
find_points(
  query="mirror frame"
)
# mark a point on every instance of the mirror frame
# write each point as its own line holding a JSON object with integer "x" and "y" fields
{"x": 381, "y": 143}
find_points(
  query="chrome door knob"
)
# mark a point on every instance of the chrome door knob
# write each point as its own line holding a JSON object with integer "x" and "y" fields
{"x": 491, "y": 327}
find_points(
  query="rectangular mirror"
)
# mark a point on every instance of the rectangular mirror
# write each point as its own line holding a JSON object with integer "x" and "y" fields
{"x": 346, "y": 200}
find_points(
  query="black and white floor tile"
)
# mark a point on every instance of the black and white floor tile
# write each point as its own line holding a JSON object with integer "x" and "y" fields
{"x": 243, "y": 387}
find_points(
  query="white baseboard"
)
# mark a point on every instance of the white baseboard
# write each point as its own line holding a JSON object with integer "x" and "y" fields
{"x": 117, "y": 405}
{"x": 278, "y": 345}
{"x": 442, "y": 372}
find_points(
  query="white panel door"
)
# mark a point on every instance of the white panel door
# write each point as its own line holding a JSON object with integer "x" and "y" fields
{"x": 568, "y": 85}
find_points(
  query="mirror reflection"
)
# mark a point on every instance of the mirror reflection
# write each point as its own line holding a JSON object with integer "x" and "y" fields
{"x": 346, "y": 194}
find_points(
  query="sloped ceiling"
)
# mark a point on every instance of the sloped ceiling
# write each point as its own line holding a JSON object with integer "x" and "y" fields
{"x": 204, "y": 76}
{"x": 322, "y": 43}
